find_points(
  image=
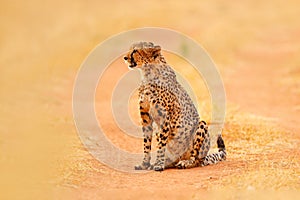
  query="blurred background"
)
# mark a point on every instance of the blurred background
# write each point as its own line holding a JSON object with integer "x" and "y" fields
{"x": 255, "y": 45}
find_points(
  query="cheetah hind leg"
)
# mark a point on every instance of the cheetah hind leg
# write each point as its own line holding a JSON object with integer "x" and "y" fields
{"x": 200, "y": 147}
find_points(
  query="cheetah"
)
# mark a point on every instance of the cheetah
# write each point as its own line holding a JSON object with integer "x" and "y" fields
{"x": 183, "y": 140}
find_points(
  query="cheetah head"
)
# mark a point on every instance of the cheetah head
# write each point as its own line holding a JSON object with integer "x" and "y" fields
{"x": 142, "y": 53}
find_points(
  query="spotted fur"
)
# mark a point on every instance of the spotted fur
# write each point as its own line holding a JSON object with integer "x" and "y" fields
{"x": 183, "y": 140}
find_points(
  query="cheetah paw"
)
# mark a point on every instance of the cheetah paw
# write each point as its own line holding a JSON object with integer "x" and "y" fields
{"x": 158, "y": 168}
{"x": 143, "y": 166}
{"x": 184, "y": 164}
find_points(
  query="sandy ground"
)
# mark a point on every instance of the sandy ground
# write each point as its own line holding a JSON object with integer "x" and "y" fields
{"x": 255, "y": 45}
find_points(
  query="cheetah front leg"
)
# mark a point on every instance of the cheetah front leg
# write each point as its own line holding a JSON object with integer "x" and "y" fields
{"x": 163, "y": 121}
{"x": 147, "y": 132}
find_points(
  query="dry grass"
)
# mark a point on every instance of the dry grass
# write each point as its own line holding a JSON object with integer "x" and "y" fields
{"x": 268, "y": 154}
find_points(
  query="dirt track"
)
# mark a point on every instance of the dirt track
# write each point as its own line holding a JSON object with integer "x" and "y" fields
{"x": 254, "y": 44}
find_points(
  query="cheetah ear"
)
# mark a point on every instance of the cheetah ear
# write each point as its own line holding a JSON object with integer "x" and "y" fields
{"x": 157, "y": 48}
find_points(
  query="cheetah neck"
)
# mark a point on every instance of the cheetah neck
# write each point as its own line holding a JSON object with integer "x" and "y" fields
{"x": 159, "y": 73}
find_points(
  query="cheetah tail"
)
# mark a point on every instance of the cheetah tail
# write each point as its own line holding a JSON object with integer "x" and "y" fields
{"x": 216, "y": 157}
{"x": 221, "y": 144}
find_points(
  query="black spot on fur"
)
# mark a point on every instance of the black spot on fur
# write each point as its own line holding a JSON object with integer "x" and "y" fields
{"x": 145, "y": 113}
{"x": 164, "y": 137}
{"x": 165, "y": 130}
{"x": 159, "y": 112}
